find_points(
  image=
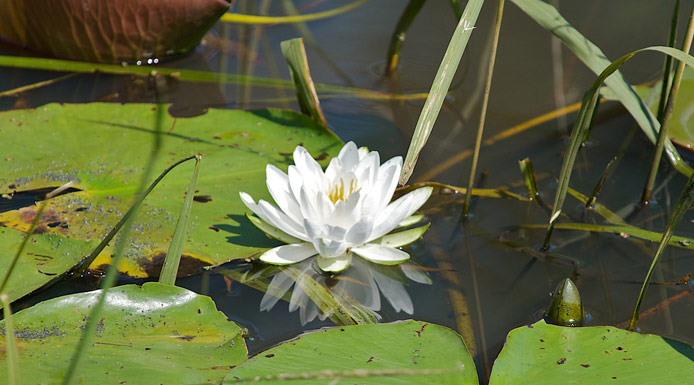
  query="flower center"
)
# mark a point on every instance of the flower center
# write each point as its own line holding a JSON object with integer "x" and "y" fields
{"x": 337, "y": 191}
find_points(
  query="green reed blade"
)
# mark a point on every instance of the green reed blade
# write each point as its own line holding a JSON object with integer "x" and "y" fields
{"x": 683, "y": 203}
{"x": 253, "y": 19}
{"x": 667, "y": 115}
{"x": 395, "y": 46}
{"x": 667, "y": 67}
{"x": 609, "y": 169}
{"x": 85, "y": 263}
{"x": 551, "y": 20}
{"x": 82, "y": 349}
{"x": 583, "y": 120}
{"x": 295, "y": 54}
{"x": 14, "y": 376}
{"x": 526, "y": 167}
{"x": 457, "y": 8}
{"x": 173, "y": 255}
{"x": 483, "y": 108}
{"x": 439, "y": 87}
{"x": 499, "y": 193}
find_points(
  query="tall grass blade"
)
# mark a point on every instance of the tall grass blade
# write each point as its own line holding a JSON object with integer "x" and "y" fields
{"x": 582, "y": 124}
{"x": 457, "y": 8}
{"x": 548, "y": 17}
{"x": 14, "y": 376}
{"x": 526, "y": 166}
{"x": 683, "y": 203}
{"x": 252, "y": 19}
{"x": 485, "y": 104}
{"x": 667, "y": 115}
{"x": 439, "y": 87}
{"x": 295, "y": 54}
{"x": 112, "y": 272}
{"x": 173, "y": 255}
{"x": 395, "y": 46}
{"x": 84, "y": 264}
{"x": 667, "y": 67}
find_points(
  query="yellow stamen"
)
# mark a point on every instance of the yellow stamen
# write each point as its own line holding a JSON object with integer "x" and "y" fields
{"x": 336, "y": 192}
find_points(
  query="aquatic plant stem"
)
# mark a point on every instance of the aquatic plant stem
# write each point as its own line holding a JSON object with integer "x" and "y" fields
{"x": 483, "y": 110}
{"x": 667, "y": 67}
{"x": 173, "y": 256}
{"x": 667, "y": 115}
{"x": 14, "y": 376}
{"x": 395, "y": 46}
{"x": 112, "y": 271}
{"x": 683, "y": 203}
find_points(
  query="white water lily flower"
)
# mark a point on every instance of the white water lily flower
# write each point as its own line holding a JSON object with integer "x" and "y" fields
{"x": 337, "y": 213}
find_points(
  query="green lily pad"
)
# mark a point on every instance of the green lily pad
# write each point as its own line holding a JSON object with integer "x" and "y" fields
{"x": 45, "y": 257}
{"x": 103, "y": 147}
{"x": 151, "y": 334}
{"x": 409, "y": 352}
{"x": 549, "y": 354}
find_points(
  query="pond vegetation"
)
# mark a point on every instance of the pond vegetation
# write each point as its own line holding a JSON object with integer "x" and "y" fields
{"x": 133, "y": 154}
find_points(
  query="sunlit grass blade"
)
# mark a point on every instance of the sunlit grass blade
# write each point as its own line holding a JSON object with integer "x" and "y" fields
{"x": 439, "y": 87}
{"x": 683, "y": 203}
{"x": 14, "y": 376}
{"x": 295, "y": 54}
{"x": 31, "y": 230}
{"x": 193, "y": 76}
{"x": 526, "y": 167}
{"x": 603, "y": 211}
{"x": 483, "y": 108}
{"x": 173, "y": 255}
{"x": 84, "y": 264}
{"x": 395, "y": 46}
{"x": 482, "y": 192}
{"x": 109, "y": 280}
{"x": 548, "y": 17}
{"x": 252, "y": 19}
{"x": 667, "y": 115}
{"x": 36, "y": 85}
{"x": 582, "y": 124}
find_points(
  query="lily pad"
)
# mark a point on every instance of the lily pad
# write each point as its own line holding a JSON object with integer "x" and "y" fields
{"x": 151, "y": 334}
{"x": 103, "y": 147}
{"x": 549, "y": 354}
{"x": 409, "y": 352}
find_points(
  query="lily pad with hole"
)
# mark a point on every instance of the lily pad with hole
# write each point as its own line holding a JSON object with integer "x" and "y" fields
{"x": 151, "y": 334}
{"x": 411, "y": 352}
{"x": 104, "y": 147}
{"x": 547, "y": 354}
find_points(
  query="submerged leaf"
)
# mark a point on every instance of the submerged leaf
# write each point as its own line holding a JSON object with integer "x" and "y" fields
{"x": 109, "y": 31}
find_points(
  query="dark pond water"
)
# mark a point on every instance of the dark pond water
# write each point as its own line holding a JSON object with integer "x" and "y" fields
{"x": 503, "y": 287}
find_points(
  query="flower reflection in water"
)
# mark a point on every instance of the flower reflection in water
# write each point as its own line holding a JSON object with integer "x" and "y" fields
{"x": 356, "y": 289}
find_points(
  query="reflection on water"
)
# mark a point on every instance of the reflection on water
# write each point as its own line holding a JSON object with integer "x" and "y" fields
{"x": 315, "y": 294}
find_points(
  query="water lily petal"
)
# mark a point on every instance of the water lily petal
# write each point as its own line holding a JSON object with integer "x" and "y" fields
{"x": 349, "y": 155}
{"x": 346, "y": 214}
{"x": 415, "y": 273}
{"x": 279, "y": 285}
{"x": 273, "y": 216}
{"x": 364, "y": 151}
{"x": 360, "y": 232}
{"x": 389, "y": 218}
{"x": 335, "y": 265}
{"x": 288, "y": 254}
{"x": 394, "y": 292}
{"x": 380, "y": 254}
{"x": 383, "y": 187}
{"x": 278, "y": 185}
{"x": 329, "y": 248}
{"x": 307, "y": 166}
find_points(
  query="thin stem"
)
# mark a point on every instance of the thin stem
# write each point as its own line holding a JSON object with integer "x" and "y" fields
{"x": 665, "y": 86}
{"x": 660, "y": 143}
{"x": 485, "y": 103}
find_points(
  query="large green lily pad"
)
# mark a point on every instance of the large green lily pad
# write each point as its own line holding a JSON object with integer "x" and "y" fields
{"x": 154, "y": 334}
{"x": 103, "y": 147}
{"x": 409, "y": 352}
{"x": 549, "y": 354}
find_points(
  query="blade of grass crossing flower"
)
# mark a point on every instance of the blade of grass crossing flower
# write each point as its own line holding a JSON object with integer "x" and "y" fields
{"x": 395, "y": 46}
{"x": 582, "y": 120}
{"x": 295, "y": 54}
{"x": 483, "y": 109}
{"x": 667, "y": 115}
{"x": 14, "y": 376}
{"x": 252, "y": 19}
{"x": 439, "y": 87}
{"x": 548, "y": 17}
{"x": 683, "y": 203}
{"x": 667, "y": 67}
{"x": 84, "y": 264}
{"x": 81, "y": 351}
{"x": 173, "y": 255}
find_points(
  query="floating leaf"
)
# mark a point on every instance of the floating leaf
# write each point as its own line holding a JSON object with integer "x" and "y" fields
{"x": 549, "y": 354}
{"x": 409, "y": 352}
{"x": 109, "y": 31}
{"x": 103, "y": 146}
{"x": 151, "y": 334}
